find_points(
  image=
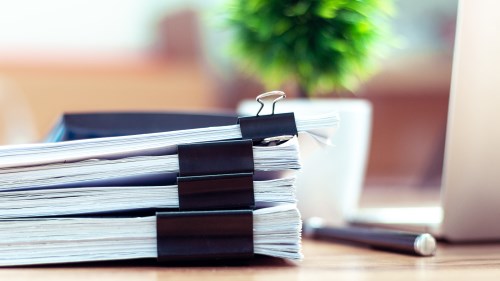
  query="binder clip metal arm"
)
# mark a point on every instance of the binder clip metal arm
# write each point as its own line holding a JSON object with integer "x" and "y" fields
{"x": 265, "y": 129}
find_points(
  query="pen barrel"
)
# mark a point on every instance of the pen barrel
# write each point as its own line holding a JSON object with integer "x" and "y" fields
{"x": 383, "y": 239}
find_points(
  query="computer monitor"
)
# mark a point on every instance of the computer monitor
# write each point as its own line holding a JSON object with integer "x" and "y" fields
{"x": 471, "y": 179}
{"x": 470, "y": 194}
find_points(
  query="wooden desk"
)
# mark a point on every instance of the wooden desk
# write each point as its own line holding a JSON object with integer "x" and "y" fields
{"x": 324, "y": 261}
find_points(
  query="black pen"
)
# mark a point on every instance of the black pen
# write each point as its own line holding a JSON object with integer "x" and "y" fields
{"x": 421, "y": 244}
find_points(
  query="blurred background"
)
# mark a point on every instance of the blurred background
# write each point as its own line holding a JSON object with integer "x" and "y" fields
{"x": 75, "y": 56}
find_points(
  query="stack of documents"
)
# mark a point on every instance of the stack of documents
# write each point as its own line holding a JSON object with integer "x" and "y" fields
{"x": 93, "y": 181}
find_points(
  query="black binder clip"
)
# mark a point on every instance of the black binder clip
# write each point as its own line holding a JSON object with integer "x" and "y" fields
{"x": 216, "y": 175}
{"x": 216, "y": 192}
{"x": 268, "y": 128}
{"x": 212, "y": 158}
{"x": 207, "y": 235}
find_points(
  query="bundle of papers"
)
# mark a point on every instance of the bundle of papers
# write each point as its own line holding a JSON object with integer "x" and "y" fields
{"x": 142, "y": 145}
{"x": 276, "y": 233}
{"x": 92, "y": 200}
{"x": 266, "y": 158}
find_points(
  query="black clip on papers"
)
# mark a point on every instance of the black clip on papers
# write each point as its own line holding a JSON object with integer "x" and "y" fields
{"x": 216, "y": 192}
{"x": 261, "y": 127}
{"x": 216, "y": 175}
{"x": 258, "y": 128}
{"x": 204, "y": 235}
{"x": 213, "y": 158}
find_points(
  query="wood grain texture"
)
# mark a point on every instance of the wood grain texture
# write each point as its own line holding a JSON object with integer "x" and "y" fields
{"x": 324, "y": 261}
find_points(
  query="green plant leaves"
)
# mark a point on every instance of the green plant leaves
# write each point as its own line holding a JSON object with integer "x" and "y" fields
{"x": 321, "y": 44}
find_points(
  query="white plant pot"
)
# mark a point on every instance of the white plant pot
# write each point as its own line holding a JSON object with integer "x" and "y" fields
{"x": 330, "y": 183}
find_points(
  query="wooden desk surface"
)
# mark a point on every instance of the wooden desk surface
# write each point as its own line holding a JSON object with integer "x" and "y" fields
{"x": 323, "y": 261}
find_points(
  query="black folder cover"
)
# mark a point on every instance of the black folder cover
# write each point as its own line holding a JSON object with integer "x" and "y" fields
{"x": 76, "y": 126}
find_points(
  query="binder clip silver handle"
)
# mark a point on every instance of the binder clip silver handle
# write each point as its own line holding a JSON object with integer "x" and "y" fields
{"x": 280, "y": 95}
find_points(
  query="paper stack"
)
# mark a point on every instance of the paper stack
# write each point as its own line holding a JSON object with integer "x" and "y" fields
{"x": 92, "y": 200}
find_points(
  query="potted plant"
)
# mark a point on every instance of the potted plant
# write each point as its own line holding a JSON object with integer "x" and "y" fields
{"x": 322, "y": 46}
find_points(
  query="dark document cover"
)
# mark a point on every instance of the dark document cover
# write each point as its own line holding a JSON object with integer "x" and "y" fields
{"x": 76, "y": 126}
